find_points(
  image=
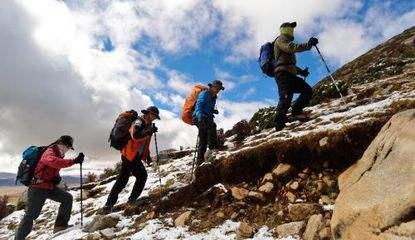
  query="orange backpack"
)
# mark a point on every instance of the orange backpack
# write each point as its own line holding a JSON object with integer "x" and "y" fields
{"x": 190, "y": 103}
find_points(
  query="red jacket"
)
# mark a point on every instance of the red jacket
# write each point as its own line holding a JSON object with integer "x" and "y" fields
{"x": 48, "y": 167}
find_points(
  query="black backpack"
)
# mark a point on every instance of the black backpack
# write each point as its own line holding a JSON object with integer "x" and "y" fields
{"x": 26, "y": 170}
{"x": 120, "y": 134}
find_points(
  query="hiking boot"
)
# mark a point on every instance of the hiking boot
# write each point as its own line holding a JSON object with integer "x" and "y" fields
{"x": 106, "y": 210}
{"x": 279, "y": 127}
{"x": 299, "y": 117}
{"x": 139, "y": 201}
{"x": 60, "y": 228}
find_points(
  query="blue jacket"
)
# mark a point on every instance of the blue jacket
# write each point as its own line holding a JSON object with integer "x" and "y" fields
{"x": 205, "y": 104}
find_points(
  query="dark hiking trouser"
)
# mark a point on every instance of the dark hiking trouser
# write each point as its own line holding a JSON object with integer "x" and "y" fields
{"x": 207, "y": 136}
{"x": 288, "y": 84}
{"x": 138, "y": 170}
{"x": 36, "y": 198}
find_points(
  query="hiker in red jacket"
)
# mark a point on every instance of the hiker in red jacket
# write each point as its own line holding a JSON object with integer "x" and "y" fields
{"x": 43, "y": 186}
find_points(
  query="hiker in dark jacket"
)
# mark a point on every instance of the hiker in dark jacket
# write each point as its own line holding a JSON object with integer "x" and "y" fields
{"x": 136, "y": 150}
{"x": 286, "y": 73}
{"x": 43, "y": 186}
{"x": 203, "y": 115}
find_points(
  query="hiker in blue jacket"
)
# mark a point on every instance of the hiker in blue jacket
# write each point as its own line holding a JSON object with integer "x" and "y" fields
{"x": 203, "y": 115}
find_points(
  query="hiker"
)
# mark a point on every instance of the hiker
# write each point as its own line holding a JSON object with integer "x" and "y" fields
{"x": 286, "y": 73}
{"x": 44, "y": 186}
{"x": 135, "y": 151}
{"x": 203, "y": 115}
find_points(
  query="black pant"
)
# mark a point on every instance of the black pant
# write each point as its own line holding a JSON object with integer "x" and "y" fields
{"x": 35, "y": 200}
{"x": 207, "y": 135}
{"x": 288, "y": 84}
{"x": 138, "y": 170}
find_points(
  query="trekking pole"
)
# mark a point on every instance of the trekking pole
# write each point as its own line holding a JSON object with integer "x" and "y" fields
{"x": 331, "y": 76}
{"x": 82, "y": 208}
{"x": 194, "y": 159}
{"x": 157, "y": 158}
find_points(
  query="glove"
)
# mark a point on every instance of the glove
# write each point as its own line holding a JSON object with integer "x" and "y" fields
{"x": 304, "y": 72}
{"x": 149, "y": 160}
{"x": 313, "y": 41}
{"x": 215, "y": 111}
{"x": 79, "y": 159}
{"x": 57, "y": 180}
{"x": 154, "y": 129}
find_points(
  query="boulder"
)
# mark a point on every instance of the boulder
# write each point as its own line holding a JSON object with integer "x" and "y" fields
{"x": 301, "y": 211}
{"x": 290, "y": 229}
{"x": 239, "y": 193}
{"x": 182, "y": 219}
{"x": 266, "y": 188}
{"x": 377, "y": 197}
{"x": 282, "y": 170}
{"x": 313, "y": 226}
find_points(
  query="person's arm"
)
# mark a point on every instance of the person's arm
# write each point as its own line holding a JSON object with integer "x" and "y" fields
{"x": 292, "y": 47}
{"x": 137, "y": 130}
{"x": 50, "y": 159}
{"x": 201, "y": 101}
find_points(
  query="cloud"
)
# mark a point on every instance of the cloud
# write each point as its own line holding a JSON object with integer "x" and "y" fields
{"x": 57, "y": 77}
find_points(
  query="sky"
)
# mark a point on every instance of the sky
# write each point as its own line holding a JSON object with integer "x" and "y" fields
{"x": 69, "y": 67}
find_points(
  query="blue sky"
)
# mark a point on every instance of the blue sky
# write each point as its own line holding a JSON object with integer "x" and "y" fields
{"x": 86, "y": 61}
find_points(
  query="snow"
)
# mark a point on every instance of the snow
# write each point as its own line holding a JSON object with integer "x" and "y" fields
{"x": 175, "y": 174}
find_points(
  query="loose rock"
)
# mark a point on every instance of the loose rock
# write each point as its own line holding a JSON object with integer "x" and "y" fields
{"x": 282, "y": 170}
{"x": 266, "y": 188}
{"x": 290, "y": 229}
{"x": 182, "y": 219}
{"x": 267, "y": 178}
{"x": 245, "y": 230}
{"x": 301, "y": 211}
{"x": 239, "y": 193}
{"x": 313, "y": 226}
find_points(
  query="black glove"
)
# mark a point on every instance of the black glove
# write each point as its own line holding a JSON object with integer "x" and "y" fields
{"x": 304, "y": 72}
{"x": 79, "y": 159}
{"x": 149, "y": 160}
{"x": 313, "y": 41}
{"x": 57, "y": 180}
{"x": 215, "y": 111}
{"x": 154, "y": 129}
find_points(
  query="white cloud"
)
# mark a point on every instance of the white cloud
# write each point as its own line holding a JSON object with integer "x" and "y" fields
{"x": 179, "y": 82}
{"x": 231, "y": 112}
{"x": 56, "y": 77}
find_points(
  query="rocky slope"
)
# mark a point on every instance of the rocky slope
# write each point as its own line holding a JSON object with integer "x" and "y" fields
{"x": 271, "y": 184}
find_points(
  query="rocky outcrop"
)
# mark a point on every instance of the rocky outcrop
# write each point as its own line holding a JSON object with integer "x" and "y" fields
{"x": 377, "y": 197}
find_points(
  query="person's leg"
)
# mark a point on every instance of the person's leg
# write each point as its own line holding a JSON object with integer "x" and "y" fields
{"x": 300, "y": 86}
{"x": 140, "y": 173}
{"x": 212, "y": 135}
{"x": 35, "y": 201}
{"x": 120, "y": 183}
{"x": 285, "y": 97}
{"x": 203, "y": 135}
{"x": 64, "y": 212}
